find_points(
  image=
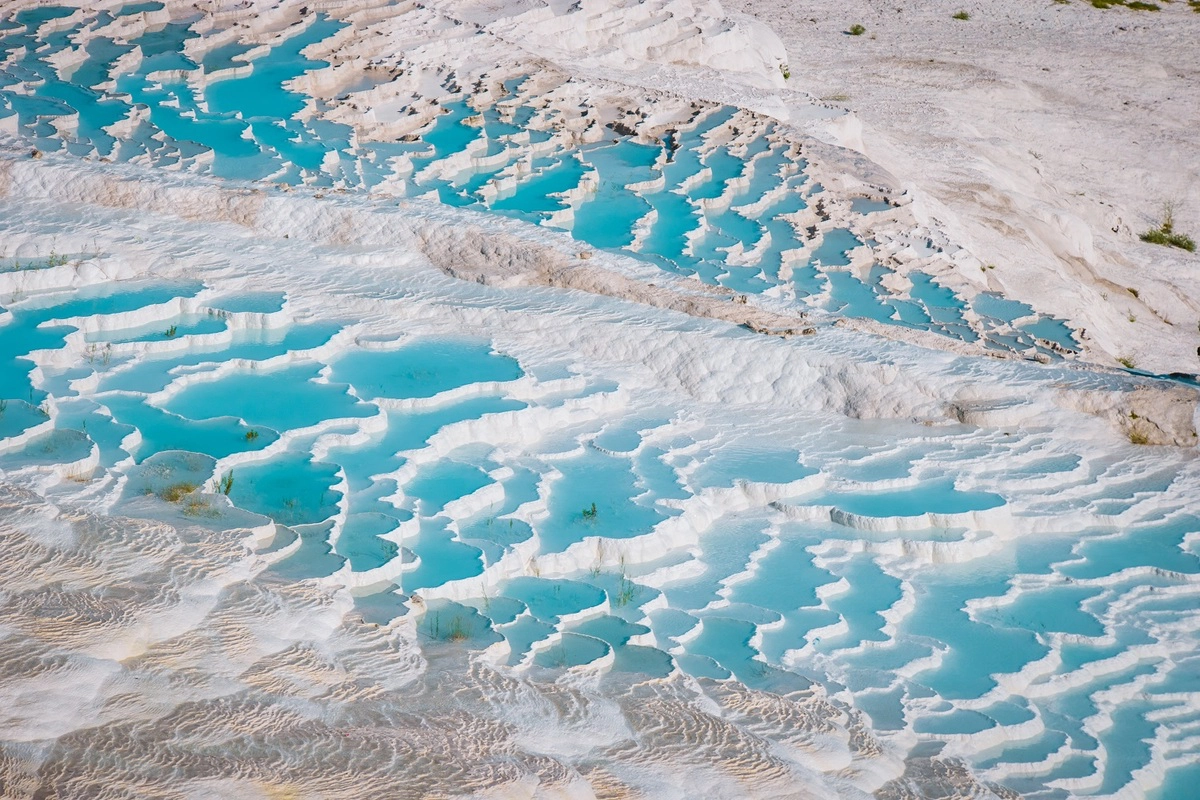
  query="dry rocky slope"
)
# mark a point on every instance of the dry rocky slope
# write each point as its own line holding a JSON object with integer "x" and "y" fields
{"x": 1042, "y": 136}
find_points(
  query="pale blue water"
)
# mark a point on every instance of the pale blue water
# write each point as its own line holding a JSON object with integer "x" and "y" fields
{"x": 938, "y": 497}
{"x": 423, "y": 369}
{"x": 249, "y": 124}
{"x": 608, "y": 482}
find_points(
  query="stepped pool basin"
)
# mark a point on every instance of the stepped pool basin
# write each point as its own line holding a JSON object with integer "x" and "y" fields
{"x": 707, "y": 198}
{"x": 561, "y": 524}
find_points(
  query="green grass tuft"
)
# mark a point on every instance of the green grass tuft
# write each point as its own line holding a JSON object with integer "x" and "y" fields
{"x": 1169, "y": 239}
{"x": 856, "y": 30}
{"x": 963, "y": 15}
{"x": 177, "y": 491}
{"x": 1165, "y": 233}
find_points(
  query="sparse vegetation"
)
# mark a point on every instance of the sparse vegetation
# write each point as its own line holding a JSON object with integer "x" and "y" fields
{"x": 171, "y": 332}
{"x": 226, "y": 485}
{"x": 251, "y": 435}
{"x": 1137, "y": 5}
{"x": 787, "y": 73}
{"x": 1127, "y": 362}
{"x": 1137, "y": 437}
{"x": 961, "y": 15}
{"x": 589, "y": 513}
{"x": 856, "y": 30}
{"x": 177, "y": 491}
{"x": 105, "y": 354}
{"x": 3, "y": 407}
{"x": 198, "y": 507}
{"x": 1165, "y": 233}
{"x": 625, "y": 592}
{"x": 456, "y": 631}
{"x": 78, "y": 476}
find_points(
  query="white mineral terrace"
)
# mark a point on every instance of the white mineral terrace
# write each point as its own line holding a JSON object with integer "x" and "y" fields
{"x": 593, "y": 399}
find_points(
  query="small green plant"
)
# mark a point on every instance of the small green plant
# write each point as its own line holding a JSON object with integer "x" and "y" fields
{"x": 1169, "y": 239}
{"x": 177, "y": 491}
{"x": 458, "y": 630}
{"x": 198, "y": 507}
{"x": 626, "y": 591}
{"x": 1137, "y": 437}
{"x": 595, "y": 571}
{"x": 251, "y": 435}
{"x": 856, "y": 30}
{"x": 1165, "y": 233}
{"x": 589, "y": 513}
{"x": 171, "y": 332}
{"x": 3, "y": 407}
{"x": 787, "y": 73}
{"x": 227, "y": 483}
{"x": 963, "y": 15}
{"x": 1127, "y": 362}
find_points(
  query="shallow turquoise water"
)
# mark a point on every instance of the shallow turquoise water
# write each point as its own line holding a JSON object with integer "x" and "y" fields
{"x": 250, "y": 127}
{"x": 938, "y": 497}
{"x": 423, "y": 369}
{"x": 256, "y": 397}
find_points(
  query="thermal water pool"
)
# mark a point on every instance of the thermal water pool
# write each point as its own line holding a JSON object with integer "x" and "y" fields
{"x": 891, "y": 560}
{"x": 707, "y": 199}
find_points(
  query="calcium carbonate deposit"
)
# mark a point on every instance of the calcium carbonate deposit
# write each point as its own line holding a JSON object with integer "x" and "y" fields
{"x": 518, "y": 398}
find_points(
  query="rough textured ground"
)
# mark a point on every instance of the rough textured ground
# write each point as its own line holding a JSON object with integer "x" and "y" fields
{"x": 1042, "y": 136}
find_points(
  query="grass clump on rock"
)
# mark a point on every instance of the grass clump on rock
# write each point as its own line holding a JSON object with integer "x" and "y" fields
{"x": 856, "y": 30}
{"x": 1165, "y": 233}
{"x": 1136, "y": 5}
